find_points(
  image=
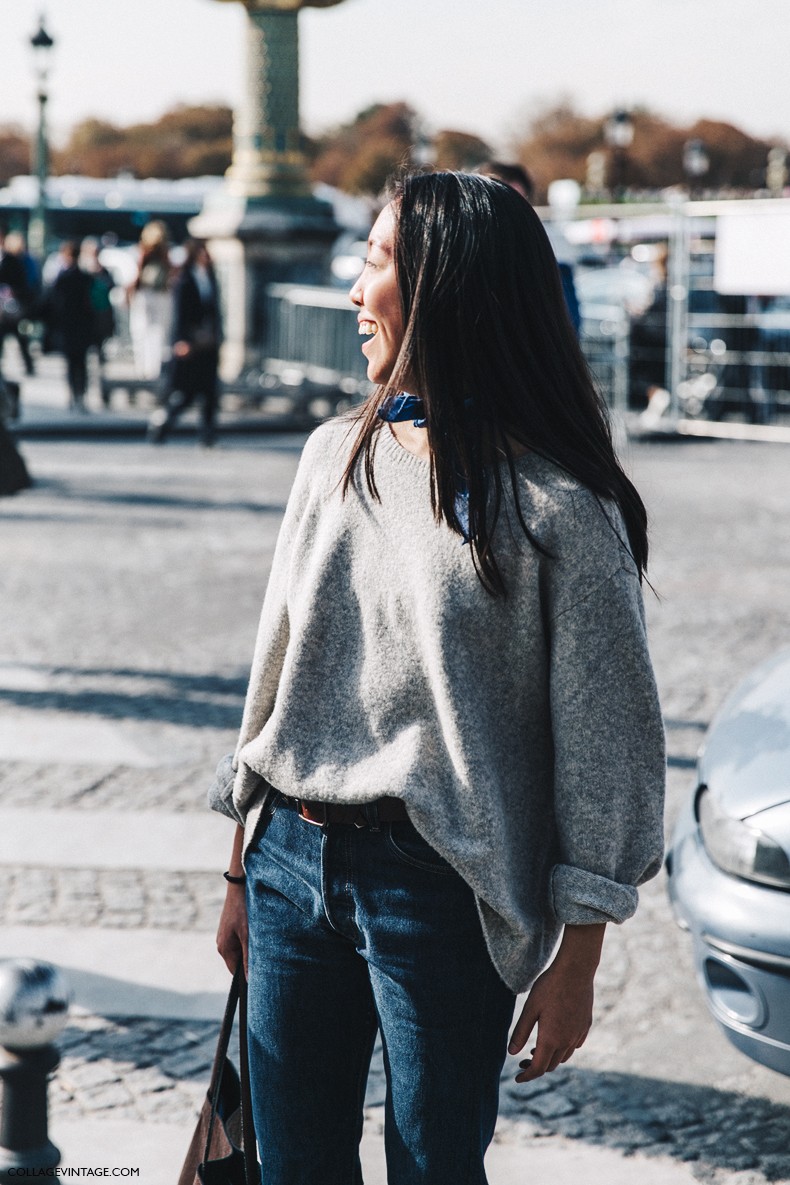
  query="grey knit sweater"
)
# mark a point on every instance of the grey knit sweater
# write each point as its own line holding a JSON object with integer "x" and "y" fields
{"x": 524, "y": 734}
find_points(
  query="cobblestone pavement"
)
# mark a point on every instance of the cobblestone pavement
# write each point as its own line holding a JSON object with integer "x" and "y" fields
{"x": 133, "y": 585}
{"x": 128, "y": 898}
{"x": 148, "y": 1070}
{"x": 111, "y": 787}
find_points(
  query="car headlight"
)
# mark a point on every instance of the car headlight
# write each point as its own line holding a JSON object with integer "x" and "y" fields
{"x": 739, "y": 847}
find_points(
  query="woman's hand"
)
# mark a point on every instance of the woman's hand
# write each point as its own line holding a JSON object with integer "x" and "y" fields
{"x": 560, "y": 1002}
{"x": 232, "y": 931}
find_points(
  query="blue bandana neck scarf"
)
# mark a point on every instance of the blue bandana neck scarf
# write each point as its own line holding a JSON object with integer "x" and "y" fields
{"x": 397, "y": 408}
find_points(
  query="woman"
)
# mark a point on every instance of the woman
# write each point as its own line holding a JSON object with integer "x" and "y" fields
{"x": 451, "y": 678}
{"x": 150, "y": 306}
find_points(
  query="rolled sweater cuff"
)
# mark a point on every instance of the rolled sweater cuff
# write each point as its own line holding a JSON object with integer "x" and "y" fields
{"x": 581, "y": 898}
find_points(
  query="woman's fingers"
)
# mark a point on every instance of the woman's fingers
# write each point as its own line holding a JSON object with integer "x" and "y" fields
{"x": 543, "y": 1062}
{"x": 230, "y": 951}
{"x": 560, "y": 1003}
{"x": 232, "y": 934}
{"x": 524, "y": 1026}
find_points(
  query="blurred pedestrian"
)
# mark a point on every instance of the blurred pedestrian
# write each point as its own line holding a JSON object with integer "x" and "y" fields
{"x": 450, "y": 771}
{"x": 14, "y": 475}
{"x": 16, "y": 244}
{"x": 513, "y": 174}
{"x": 69, "y": 316}
{"x": 517, "y": 177}
{"x": 150, "y": 302}
{"x": 16, "y": 296}
{"x": 102, "y": 284}
{"x": 647, "y": 359}
{"x": 195, "y": 341}
{"x": 103, "y": 321}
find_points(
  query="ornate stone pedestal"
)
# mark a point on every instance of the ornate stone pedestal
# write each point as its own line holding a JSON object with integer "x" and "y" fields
{"x": 265, "y": 226}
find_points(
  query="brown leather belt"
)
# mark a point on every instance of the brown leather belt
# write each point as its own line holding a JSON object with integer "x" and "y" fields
{"x": 387, "y": 810}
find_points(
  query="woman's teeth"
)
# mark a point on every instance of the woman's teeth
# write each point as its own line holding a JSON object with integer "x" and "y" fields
{"x": 366, "y": 328}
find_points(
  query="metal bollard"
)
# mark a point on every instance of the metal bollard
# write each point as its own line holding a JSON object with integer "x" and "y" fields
{"x": 34, "y": 1004}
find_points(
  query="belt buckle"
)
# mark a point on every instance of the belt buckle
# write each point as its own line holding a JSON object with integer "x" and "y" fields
{"x": 308, "y": 819}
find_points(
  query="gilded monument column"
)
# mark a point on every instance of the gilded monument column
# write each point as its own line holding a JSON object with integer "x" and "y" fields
{"x": 266, "y": 153}
{"x": 265, "y": 225}
{"x": 267, "y": 160}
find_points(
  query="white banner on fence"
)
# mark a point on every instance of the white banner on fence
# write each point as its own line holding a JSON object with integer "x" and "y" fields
{"x": 753, "y": 254}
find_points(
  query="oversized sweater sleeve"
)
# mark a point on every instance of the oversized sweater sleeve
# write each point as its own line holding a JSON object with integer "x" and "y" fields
{"x": 609, "y": 759}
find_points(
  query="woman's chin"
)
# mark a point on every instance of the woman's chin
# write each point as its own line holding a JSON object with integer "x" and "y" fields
{"x": 378, "y": 374}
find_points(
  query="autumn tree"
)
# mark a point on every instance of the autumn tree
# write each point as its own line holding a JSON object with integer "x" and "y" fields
{"x": 736, "y": 159}
{"x": 557, "y": 144}
{"x": 655, "y": 158}
{"x": 360, "y": 156}
{"x": 184, "y": 142}
{"x": 459, "y": 150}
{"x": 95, "y": 148}
{"x": 15, "y": 150}
{"x": 559, "y": 140}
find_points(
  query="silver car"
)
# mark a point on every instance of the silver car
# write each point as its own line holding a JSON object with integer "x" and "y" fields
{"x": 729, "y": 866}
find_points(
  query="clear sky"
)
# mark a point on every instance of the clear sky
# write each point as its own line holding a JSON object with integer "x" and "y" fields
{"x": 476, "y": 65}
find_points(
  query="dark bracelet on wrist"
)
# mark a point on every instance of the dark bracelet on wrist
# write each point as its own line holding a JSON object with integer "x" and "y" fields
{"x": 234, "y": 880}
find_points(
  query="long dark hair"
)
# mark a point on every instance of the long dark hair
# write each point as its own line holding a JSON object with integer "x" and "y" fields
{"x": 489, "y": 346}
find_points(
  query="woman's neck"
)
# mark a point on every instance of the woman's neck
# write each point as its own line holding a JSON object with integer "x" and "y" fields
{"x": 414, "y": 440}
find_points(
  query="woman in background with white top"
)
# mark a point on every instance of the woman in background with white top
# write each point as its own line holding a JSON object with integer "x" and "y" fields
{"x": 150, "y": 301}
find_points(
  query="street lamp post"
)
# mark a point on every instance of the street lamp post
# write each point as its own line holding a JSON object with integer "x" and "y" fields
{"x": 696, "y": 162}
{"x": 619, "y": 135}
{"x": 776, "y": 171}
{"x": 42, "y": 45}
{"x": 595, "y": 174}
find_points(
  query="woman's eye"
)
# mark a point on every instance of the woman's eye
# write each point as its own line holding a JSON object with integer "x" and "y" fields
{"x": 369, "y": 263}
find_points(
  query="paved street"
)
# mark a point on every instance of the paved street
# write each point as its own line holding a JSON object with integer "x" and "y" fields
{"x": 132, "y": 580}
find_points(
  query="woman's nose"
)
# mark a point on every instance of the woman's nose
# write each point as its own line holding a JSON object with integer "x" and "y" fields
{"x": 355, "y": 295}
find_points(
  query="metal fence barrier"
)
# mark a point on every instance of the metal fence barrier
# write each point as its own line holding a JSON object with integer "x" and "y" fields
{"x": 312, "y": 341}
{"x": 311, "y": 352}
{"x": 728, "y": 353}
{"x": 713, "y": 344}
{"x": 723, "y": 357}
{"x": 312, "y": 336}
{"x": 606, "y": 348}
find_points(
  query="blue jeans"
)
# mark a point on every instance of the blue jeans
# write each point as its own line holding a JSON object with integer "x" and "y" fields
{"x": 353, "y": 930}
